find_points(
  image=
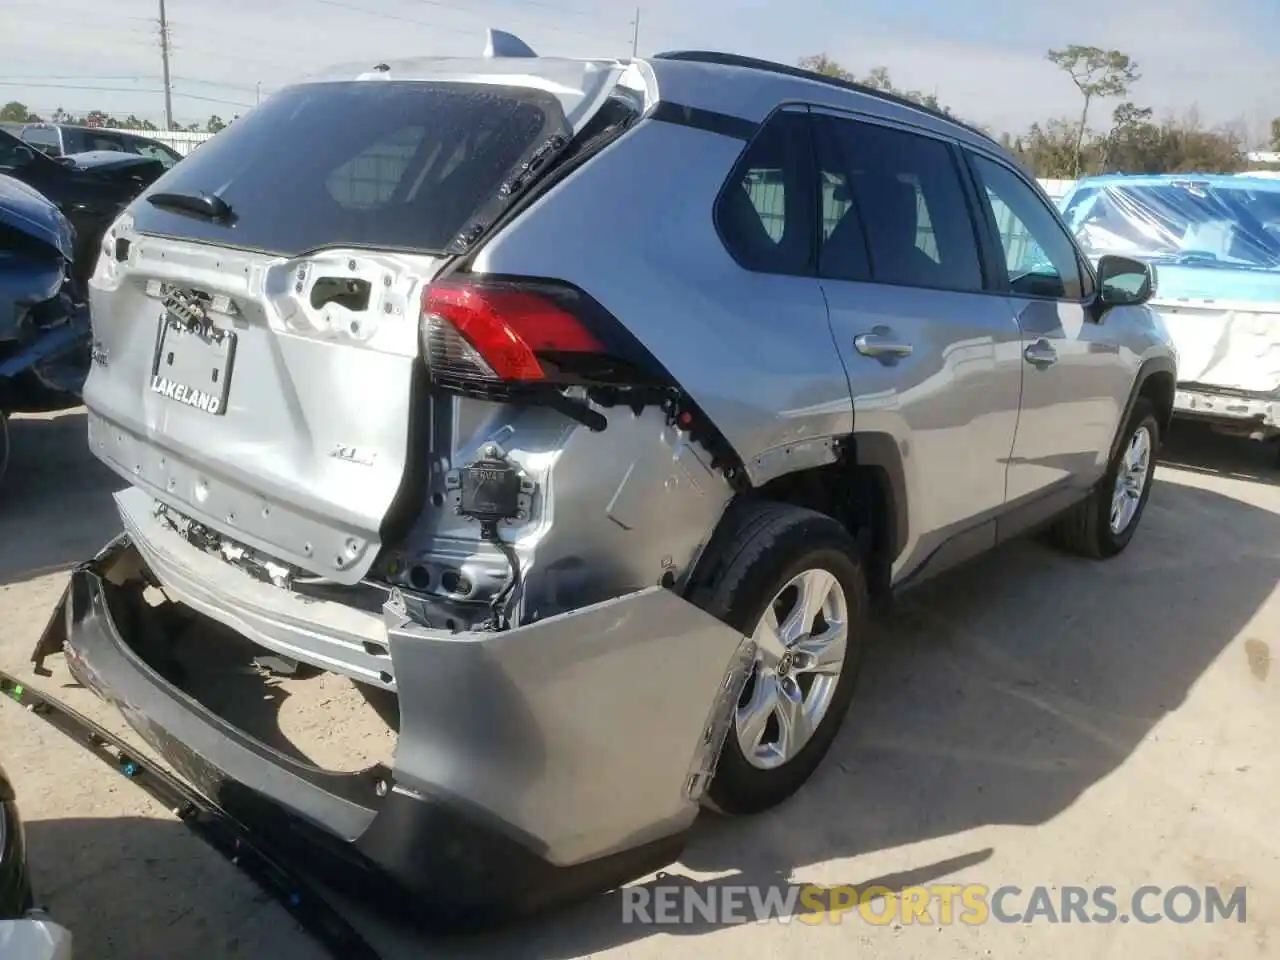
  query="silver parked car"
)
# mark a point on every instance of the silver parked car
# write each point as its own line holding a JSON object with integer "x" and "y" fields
{"x": 583, "y": 406}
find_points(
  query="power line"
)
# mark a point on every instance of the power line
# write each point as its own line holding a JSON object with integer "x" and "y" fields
{"x": 47, "y": 15}
{"x": 98, "y": 88}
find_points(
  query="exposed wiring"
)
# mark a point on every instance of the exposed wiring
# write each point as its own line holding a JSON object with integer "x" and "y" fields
{"x": 500, "y": 606}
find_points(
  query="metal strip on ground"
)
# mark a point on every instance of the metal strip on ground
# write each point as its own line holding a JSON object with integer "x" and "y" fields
{"x": 221, "y": 831}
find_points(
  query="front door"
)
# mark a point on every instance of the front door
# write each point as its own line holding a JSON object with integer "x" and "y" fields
{"x": 933, "y": 361}
{"x": 1075, "y": 381}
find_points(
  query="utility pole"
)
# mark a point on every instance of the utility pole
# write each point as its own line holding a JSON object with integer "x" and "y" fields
{"x": 164, "y": 61}
{"x": 635, "y": 34}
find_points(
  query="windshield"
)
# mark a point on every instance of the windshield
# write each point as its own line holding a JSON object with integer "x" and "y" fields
{"x": 16, "y": 155}
{"x": 1182, "y": 221}
{"x": 392, "y": 165}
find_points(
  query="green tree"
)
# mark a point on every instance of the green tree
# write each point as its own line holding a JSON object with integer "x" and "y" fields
{"x": 214, "y": 124}
{"x": 1096, "y": 73}
{"x": 131, "y": 122}
{"x": 821, "y": 63}
{"x": 877, "y": 79}
{"x": 15, "y": 112}
{"x": 1275, "y": 134}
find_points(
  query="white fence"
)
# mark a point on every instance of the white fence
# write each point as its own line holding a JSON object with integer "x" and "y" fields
{"x": 184, "y": 141}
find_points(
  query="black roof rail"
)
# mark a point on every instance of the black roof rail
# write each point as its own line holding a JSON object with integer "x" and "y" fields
{"x": 770, "y": 66}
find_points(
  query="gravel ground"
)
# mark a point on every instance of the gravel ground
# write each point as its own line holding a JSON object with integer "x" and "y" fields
{"x": 1030, "y": 720}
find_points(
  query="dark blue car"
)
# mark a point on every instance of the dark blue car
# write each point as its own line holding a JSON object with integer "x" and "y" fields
{"x": 44, "y": 321}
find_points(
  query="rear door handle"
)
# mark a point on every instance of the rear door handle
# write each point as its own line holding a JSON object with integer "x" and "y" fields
{"x": 880, "y": 345}
{"x": 1041, "y": 354}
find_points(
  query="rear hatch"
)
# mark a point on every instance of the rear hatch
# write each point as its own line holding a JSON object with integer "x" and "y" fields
{"x": 256, "y": 311}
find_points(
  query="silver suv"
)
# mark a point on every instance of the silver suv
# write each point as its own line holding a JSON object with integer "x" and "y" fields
{"x": 583, "y": 407}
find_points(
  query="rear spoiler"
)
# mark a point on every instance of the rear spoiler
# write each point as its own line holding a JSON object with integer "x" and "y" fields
{"x": 503, "y": 44}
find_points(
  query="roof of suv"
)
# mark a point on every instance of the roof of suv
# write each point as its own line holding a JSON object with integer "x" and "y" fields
{"x": 734, "y": 60}
{"x": 726, "y": 83}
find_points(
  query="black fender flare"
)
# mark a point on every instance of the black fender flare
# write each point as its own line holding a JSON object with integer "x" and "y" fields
{"x": 1149, "y": 368}
{"x": 881, "y": 452}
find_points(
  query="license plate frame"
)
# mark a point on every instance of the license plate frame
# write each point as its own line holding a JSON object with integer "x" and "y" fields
{"x": 193, "y": 363}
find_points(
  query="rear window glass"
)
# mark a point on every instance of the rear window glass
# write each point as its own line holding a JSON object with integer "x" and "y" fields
{"x": 384, "y": 164}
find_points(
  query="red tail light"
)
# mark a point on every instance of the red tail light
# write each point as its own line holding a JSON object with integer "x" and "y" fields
{"x": 479, "y": 334}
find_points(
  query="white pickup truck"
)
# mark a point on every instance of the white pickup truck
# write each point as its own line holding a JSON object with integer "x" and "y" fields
{"x": 1215, "y": 244}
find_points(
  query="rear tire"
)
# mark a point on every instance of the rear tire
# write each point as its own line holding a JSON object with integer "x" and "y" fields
{"x": 792, "y": 578}
{"x": 1102, "y": 525}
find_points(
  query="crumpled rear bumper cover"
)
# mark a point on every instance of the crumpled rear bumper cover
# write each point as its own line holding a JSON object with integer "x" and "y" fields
{"x": 387, "y": 832}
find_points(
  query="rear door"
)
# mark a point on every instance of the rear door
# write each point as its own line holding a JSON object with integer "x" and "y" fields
{"x": 262, "y": 365}
{"x": 932, "y": 358}
{"x": 1075, "y": 381}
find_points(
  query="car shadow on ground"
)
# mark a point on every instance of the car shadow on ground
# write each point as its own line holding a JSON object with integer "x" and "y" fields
{"x": 55, "y": 500}
{"x": 136, "y": 888}
{"x": 1194, "y": 447}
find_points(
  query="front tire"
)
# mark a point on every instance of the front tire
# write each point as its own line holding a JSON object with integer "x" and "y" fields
{"x": 1102, "y": 525}
{"x": 792, "y": 579}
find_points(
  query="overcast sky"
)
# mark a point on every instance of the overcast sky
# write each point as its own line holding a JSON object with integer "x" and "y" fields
{"x": 984, "y": 58}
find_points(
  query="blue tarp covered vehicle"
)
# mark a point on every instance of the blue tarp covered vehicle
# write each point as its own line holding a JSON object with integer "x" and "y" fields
{"x": 44, "y": 321}
{"x": 1215, "y": 245}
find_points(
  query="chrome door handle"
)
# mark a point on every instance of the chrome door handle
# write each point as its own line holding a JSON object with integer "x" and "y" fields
{"x": 877, "y": 345}
{"x": 1040, "y": 354}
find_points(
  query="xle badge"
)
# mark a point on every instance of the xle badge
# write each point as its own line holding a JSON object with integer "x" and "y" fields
{"x": 352, "y": 454}
{"x": 184, "y": 394}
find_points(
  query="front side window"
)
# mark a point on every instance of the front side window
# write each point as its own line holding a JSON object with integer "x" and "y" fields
{"x": 1040, "y": 259}
{"x": 899, "y": 206}
{"x": 765, "y": 211}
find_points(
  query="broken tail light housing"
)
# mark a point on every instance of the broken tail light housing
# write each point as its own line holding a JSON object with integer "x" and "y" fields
{"x": 505, "y": 338}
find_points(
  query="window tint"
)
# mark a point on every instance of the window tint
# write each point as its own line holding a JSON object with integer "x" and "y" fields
{"x": 1039, "y": 255}
{"x": 844, "y": 254}
{"x": 765, "y": 212}
{"x": 44, "y": 138}
{"x": 409, "y": 167}
{"x": 368, "y": 179}
{"x": 16, "y": 154}
{"x": 907, "y": 193}
{"x": 100, "y": 141}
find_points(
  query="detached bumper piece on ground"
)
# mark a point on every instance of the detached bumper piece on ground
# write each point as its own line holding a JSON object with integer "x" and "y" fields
{"x": 211, "y": 824}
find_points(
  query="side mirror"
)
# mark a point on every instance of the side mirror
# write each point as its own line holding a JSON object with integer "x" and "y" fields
{"x": 23, "y": 156}
{"x": 1124, "y": 282}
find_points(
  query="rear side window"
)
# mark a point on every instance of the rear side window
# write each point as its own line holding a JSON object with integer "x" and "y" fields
{"x": 100, "y": 141}
{"x": 382, "y": 164}
{"x": 765, "y": 211}
{"x": 904, "y": 208}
